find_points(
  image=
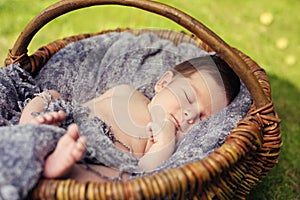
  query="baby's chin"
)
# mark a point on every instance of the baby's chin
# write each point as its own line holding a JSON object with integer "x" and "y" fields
{"x": 179, "y": 135}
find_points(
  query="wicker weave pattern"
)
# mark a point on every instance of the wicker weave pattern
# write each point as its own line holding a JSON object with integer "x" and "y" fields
{"x": 230, "y": 172}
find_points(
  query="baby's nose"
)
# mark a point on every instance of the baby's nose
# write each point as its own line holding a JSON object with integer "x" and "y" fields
{"x": 190, "y": 115}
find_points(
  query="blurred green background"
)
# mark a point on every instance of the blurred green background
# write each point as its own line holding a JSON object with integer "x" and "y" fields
{"x": 267, "y": 31}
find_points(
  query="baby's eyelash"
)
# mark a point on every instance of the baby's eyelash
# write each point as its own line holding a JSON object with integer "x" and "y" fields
{"x": 187, "y": 97}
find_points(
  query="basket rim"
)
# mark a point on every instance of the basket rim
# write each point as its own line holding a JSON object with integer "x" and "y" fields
{"x": 244, "y": 139}
{"x": 232, "y": 158}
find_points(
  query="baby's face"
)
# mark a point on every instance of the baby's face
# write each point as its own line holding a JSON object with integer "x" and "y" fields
{"x": 186, "y": 100}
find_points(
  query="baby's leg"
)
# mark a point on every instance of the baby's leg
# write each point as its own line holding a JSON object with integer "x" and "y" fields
{"x": 69, "y": 149}
{"x": 52, "y": 118}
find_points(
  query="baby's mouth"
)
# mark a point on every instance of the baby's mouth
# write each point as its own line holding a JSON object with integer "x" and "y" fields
{"x": 176, "y": 122}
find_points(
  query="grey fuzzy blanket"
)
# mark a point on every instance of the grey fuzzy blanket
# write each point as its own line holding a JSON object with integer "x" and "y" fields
{"x": 82, "y": 71}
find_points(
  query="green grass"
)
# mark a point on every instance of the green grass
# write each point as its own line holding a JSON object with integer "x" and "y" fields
{"x": 237, "y": 22}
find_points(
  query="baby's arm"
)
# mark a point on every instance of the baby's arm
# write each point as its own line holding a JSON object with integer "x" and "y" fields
{"x": 161, "y": 145}
{"x": 37, "y": 104}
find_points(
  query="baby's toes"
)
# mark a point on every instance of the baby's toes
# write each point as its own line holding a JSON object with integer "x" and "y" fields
{"x": 40, "y": 119}
{"x": 56, "y": 119}
{"x": 79, "y": 148}
{"x": 61, "y": 115}
{"x": 49, "y": 118}
{"x": 81, "y": 143}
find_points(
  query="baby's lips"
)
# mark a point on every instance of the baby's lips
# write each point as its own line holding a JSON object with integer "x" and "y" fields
{"x": 174, "y": 121}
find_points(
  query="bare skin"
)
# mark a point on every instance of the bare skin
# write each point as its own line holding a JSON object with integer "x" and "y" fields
{"x": 53, "y": 118}
{"x": 71, "y": 145}
{"x": 149, "y": 127}
{"x": 73, "y": 148}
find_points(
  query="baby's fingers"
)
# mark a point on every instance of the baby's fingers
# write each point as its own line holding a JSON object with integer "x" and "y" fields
{"x": 153, "y": 129}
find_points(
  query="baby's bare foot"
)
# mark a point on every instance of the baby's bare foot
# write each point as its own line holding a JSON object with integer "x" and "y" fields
{"x": 69, "y": 149}
{"x": 52, "y": 118}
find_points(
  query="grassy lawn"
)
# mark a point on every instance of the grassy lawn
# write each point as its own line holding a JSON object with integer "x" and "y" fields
{"x": 275, "y": 47}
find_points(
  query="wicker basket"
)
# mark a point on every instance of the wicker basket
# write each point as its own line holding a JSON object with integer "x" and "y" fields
{"x": 250, "y": 151}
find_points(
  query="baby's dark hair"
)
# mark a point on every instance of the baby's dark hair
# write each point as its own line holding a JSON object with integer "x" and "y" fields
{"x": 230, "y": 80}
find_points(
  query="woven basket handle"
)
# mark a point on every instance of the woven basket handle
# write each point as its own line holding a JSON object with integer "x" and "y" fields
{"x": 186, "y": 21}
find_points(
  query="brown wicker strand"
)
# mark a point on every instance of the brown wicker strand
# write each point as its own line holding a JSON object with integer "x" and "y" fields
{"x": 178, "y": 178}
{"x": 193, "y": 176}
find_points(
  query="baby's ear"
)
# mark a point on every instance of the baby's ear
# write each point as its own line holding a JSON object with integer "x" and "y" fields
{"x": 164, "y": 80}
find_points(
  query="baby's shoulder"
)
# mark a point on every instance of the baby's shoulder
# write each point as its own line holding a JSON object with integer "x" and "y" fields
{"x": 126, "y": 92}
{"x": 118, "y": 90}
{"x": 124, "y": 87}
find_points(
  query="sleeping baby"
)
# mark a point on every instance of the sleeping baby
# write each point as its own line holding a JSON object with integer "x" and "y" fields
{"x": 147, "y": 129}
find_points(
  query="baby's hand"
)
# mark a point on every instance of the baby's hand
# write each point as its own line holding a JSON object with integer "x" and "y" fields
{"x": 161, "y": 143}
{"x": 161, "y": 129}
